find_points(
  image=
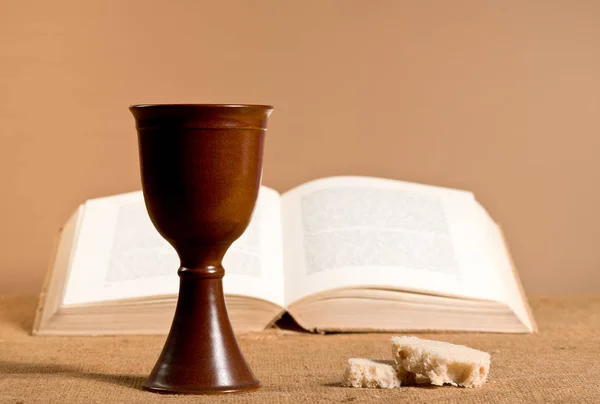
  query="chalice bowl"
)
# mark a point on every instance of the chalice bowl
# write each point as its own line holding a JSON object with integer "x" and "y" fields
{"x": 201, "y": 169}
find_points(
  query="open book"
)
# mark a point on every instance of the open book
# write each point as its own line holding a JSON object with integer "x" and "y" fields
{"x": 338, "y": 254}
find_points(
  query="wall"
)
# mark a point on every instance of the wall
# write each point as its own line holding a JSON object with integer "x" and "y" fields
{"x": 501, "y": 98}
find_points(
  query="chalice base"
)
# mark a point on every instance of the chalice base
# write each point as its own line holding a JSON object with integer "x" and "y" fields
{"x": 201, "y": 354}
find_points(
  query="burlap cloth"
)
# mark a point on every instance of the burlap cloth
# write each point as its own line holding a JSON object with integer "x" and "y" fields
{"x": 560, "y": 364}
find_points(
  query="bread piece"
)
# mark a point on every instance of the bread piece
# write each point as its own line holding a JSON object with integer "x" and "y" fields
{"x": 371, "y": 374}
{"x": 440, "y": 362}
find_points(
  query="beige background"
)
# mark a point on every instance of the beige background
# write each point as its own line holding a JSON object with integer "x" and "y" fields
{"x": 501, "y": 98}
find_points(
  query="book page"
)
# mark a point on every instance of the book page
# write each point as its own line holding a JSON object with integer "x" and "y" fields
{"x": 120, "y": 255}
{"x": 500, "y": 258}
{"x": 361, "y": 231}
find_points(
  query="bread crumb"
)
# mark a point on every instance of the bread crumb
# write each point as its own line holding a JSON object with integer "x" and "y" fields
{"x": 371, "y": 374}
{"x": 440, "y": 362}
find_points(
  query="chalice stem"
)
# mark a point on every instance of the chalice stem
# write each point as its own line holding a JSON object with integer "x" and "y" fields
{"x": 201, "y": 354}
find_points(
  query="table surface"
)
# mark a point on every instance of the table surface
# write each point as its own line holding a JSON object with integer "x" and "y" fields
{"x": 560, "y": 364}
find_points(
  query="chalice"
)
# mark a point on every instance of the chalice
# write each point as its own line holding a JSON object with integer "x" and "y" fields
{"x": 201, "y": 167}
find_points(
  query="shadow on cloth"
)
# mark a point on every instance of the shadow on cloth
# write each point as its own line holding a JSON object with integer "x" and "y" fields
{"x": 15, "y": 368}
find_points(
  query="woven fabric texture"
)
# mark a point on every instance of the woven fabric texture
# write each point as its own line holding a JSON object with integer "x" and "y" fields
{"x": 560, "y": 364}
